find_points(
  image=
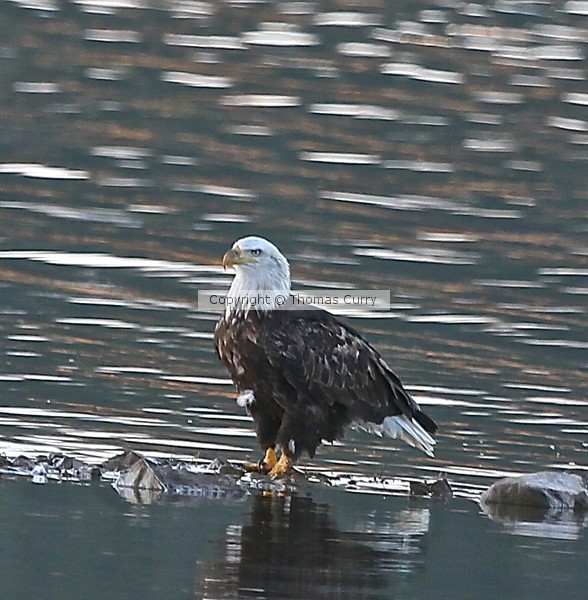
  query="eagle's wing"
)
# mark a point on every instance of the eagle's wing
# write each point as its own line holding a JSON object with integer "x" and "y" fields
{"x": 331, "y": 363}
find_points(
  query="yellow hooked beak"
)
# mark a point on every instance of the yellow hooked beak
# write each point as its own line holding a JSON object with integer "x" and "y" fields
{"x": 235, "y": 257}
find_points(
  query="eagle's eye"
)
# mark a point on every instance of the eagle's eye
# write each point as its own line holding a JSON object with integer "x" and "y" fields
{"x": 255, "y": 252}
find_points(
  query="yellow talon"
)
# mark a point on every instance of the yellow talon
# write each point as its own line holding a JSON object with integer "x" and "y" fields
{"x": 282, "y": 467}
{"x": 269, "y": 460}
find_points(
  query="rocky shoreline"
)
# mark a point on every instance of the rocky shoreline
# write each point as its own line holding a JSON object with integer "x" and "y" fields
{"x": 544, "y": 497}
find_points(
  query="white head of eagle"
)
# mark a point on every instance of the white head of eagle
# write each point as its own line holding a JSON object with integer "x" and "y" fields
{"x": 259, "y": 268}
{"x": 304, "y": 375}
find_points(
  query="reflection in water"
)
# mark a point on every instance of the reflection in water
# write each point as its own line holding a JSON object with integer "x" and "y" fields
{"x": 291, "y": 547}
{"x": 531, "y": 521}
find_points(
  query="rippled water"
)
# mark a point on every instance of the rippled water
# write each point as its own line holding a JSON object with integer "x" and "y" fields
{"x": 434, "y": 149}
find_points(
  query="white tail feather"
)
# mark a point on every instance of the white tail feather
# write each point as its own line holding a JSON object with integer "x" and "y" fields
{"x": 401, "y": 427}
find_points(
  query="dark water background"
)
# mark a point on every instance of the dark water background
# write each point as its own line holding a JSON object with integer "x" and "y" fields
{"x": 436, "y": 149}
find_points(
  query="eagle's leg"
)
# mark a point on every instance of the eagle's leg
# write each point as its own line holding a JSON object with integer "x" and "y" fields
{"x": 282, "y": 467}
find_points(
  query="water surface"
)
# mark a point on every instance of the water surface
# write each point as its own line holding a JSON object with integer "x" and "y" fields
{"x": 435, "y": 149}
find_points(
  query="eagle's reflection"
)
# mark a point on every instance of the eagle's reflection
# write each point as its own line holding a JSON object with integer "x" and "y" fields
{"x": 292, "y": 548}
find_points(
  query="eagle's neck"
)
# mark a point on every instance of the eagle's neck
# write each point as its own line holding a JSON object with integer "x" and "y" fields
{"x": 258, "y": 290}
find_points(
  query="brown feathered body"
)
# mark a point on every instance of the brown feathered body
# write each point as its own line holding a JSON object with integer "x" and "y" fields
{"x": 304, "y": 375}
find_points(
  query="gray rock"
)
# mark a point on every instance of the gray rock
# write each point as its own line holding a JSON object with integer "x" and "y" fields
{"x": 549, "y": 490}
{"x": 147, "y": 481}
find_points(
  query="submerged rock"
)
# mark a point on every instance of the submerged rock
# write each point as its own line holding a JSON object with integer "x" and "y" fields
{"x": 548, "y": 490}
{"x": 39, "y": 473}
{"x": 120, "y": 462}
{"x": 55, "y": 467}
{"x": 437, "y": 489}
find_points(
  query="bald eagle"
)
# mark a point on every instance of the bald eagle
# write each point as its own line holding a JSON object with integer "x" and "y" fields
{"x": 303, "y": 375}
